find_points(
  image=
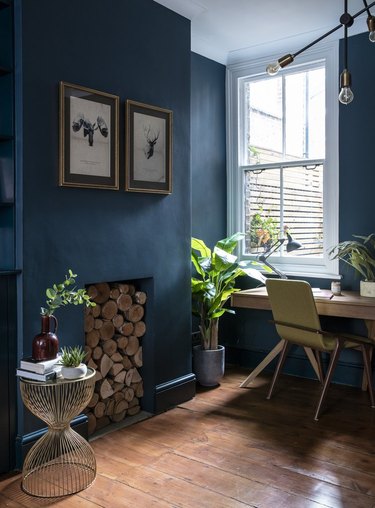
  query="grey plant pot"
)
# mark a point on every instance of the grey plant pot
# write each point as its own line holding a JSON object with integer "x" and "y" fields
{"x": 208, "y": 365}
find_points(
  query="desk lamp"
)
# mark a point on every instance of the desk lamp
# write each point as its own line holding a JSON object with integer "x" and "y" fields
{"x": 290, "y": 247}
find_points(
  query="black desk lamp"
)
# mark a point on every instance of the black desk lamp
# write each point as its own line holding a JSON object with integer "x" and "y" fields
{"x": 290, "y": 247}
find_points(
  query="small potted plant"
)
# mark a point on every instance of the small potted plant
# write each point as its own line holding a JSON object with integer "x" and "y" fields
{"x": 360, "y": 255}
{"x": 46, "y": 344}
{"x": 72, "y": 362}
{"x": 212, "y": 285}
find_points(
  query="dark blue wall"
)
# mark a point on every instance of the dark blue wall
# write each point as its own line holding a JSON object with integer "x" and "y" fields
{"x": 137, "y": 50}
{"x": 208, "y": 153}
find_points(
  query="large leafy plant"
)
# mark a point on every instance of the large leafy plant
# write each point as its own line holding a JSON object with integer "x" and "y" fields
{"x": 214, "y": 282}
{"x": 359, "y": 254}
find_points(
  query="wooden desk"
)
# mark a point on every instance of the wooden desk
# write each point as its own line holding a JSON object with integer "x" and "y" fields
{"x": 349, "y": 304}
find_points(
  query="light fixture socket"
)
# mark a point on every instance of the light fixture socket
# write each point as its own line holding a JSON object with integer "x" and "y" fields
{"x": 371, "y": 23}
{"x": 345, "y": 79}
{"x": 346, "y": 19}
{"x": 285, "y": 60}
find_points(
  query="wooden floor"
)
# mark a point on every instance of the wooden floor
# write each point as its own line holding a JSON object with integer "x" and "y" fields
{"x": 229, "y": 447}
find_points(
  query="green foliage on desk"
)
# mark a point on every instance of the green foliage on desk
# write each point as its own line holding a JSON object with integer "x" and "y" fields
{"x": 359, "y": 254}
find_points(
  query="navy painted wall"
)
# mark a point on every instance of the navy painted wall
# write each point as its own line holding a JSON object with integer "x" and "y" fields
{"x": 137, "y": 50}
{"x": 208, "y": 153}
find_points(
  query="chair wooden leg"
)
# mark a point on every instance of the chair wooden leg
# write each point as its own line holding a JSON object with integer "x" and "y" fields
{"x": 332, "y": 364}
{"x": 279, "y": 366}
{"x": 366, "y": 350}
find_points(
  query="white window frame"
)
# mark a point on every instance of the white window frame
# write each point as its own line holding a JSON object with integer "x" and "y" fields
{"x": 295, "y": 266}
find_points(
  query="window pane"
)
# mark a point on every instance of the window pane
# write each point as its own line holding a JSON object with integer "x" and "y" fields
{"x": 277, "y": 198}
{"x": 263, "y": 134}
{"x": 304, "y": 118}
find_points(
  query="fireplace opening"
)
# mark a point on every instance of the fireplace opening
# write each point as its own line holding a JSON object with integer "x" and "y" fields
{"x": 114, "y": 330}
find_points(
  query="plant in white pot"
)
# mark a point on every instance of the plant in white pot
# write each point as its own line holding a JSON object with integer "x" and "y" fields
{"x": 212, "y": 285}
{"x": 72, "y": 362}
{"x": 360, "y": 255}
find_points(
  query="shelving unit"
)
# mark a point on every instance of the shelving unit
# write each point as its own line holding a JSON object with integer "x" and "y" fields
{"x": 8, "y": 271}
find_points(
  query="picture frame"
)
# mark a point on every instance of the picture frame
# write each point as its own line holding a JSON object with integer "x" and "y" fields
{"x": 148, "y": 151}
{"x": 89, "y": 148}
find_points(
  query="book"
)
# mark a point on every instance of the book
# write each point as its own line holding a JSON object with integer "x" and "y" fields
{"x": 38, "y": 367}
{"x": 27, "y": 374}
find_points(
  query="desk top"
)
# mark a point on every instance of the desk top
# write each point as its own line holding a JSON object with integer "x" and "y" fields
{"x": 349, "y": 304}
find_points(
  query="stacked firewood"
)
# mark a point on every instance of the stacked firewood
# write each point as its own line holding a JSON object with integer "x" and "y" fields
{"x": 113, "y": 329}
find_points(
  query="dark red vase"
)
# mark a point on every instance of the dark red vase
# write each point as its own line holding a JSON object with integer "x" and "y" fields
{"x": 46, "y": 344}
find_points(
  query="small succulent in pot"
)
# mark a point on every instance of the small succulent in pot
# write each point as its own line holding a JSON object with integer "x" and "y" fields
{"x": 72, "y": 362}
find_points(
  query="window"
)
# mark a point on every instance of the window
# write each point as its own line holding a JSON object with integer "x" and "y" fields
{"x": 283, "y": 160}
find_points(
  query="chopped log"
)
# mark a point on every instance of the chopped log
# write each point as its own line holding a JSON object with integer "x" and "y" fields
{"x": 106, "y": 389}
{"x": 91, "y": 423}
{"x": 136, "y": 378}
{"x": 120, "y": 377}
{"x": 92, "y": 364}
{"x": 129, "y": 377}
{"x": 137, "y": 359}
{"x": 105, "y": 364}
{"x": 94, "y": 400}
{"x": 138, "y": 389}
{"x": 99, "y": 409}
{"x": 127, "y": 363}
{"x": 124, "y": 302}
{"x": 109, "y": 407}
{"x": 133, "y": 345}
{"x": 103, "y": 292}
{"x": 88, "y": 351}
{"x": 109, "y": 347}
{"x": 102, "y": 422}
{"x": 127, "y": 328}
{"x": 129, "y": 394}
{"x": 118, "y": 417}
{"x": 96, "y": 310}
{"x": 120, "y": 406}
{"x": 123, "y": 288}
{"x": 131, "y": 289}
{"x": 139, "y": 329}
{"x": 89, "y": 323}
{"x": 110, "y": 380}
{"x": 134, "y": 402}
{"x": 134, "y": 313}
{"x": 98, "y": 323}
{"x": 122, "y": 341}
{"x": 92, "y": 338}
{"x": 109, "y": 309}
{"x": 97, "y": 353}
{"x": 115, "y": 369}
{"x": 116, "y": 357}
{"x": 133, "y": 410}
{"x": 92, "y": 292}
{"x": 118, "y": 386}
{"x": 140, "y": 297}
{"x": 114, "y": 293}
{"x": 107, "y": 331}
{"x": 118, "y": 320}
{"x": 98, "y": 376}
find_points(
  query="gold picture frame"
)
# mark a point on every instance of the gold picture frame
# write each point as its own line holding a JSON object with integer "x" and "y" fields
{"x": 148, "y": 148}
{"x": 89, "y": 125}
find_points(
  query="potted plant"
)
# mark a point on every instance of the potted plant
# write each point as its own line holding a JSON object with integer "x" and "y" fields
{"x": 360, "y": 255}
{"x": 46, "y": 344}
{"x": 72, "y": 362}
{"x": 212, "y": 285}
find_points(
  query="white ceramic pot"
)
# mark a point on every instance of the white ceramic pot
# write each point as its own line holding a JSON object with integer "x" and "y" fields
{"x": 74, "y": 372}
{"x": 367, "y": 288}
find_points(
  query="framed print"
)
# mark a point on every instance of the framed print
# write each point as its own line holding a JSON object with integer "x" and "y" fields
{"x": 88, "y": 138}
{"x": 148, "y": 148}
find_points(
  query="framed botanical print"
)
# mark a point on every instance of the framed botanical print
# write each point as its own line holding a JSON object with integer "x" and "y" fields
{"x": 89, "y": 154}
{"x": 148, "y": 148}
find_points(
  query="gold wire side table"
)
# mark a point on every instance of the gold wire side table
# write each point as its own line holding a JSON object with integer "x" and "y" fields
{"x": 61, "y": 462}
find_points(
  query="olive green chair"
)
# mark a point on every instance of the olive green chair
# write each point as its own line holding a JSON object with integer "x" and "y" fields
{"x": 297, "y": 322}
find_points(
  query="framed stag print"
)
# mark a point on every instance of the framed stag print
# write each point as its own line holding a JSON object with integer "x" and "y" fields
{"x": 148, "y": 148}
{"x": 89, "y": 155}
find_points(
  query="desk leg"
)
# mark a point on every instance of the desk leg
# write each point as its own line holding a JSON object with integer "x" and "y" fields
{"x": 371, "y": 335}
{"x": 263, "y": 364}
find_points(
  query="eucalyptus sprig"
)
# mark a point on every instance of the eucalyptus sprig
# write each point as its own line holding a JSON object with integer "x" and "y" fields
{"x": 65, "y": 293}
{"x": 72, "y": 356}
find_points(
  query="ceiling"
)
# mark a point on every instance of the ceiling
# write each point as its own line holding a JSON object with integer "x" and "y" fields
{"x": 230, "y": 31}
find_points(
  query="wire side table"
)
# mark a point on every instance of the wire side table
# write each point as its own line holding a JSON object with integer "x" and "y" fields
{"x": 61, "y": 462}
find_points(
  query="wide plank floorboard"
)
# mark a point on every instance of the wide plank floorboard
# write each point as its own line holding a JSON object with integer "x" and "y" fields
{"x": 231, "y": 448}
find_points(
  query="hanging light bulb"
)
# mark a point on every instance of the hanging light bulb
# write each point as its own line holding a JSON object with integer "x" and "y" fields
{"x": 346, "y": 95}
{"x": 273, "y": 68}
{"x": 371, "y": 28}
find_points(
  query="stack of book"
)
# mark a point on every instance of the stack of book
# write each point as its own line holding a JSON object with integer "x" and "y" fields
{"x": 39, "y": 371}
